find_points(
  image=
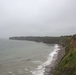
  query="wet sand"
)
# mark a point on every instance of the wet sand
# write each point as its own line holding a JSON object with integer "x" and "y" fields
{"x": 50, "y": 69}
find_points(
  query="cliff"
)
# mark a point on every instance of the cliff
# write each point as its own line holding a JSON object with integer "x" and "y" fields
{"x": 68, "y": 64}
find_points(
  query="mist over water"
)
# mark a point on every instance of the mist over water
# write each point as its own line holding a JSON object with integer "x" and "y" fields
{"x": 22, "y": 57}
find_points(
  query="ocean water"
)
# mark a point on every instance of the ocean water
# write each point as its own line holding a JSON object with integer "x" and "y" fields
{"x": 25, "y": 57}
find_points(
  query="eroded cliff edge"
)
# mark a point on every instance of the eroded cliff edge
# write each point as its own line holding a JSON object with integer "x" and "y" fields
{"x": 68, "y": 64}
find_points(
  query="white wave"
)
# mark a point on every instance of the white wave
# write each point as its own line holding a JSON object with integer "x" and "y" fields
{"x": 41, "y": 68}
{"x": 20, "y": 71}
{"x": 37, "y": 62}
{"x": 10, "y": 72}
{"x": 26, "y": 69}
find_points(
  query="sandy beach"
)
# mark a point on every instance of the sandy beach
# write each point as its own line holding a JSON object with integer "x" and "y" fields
{"x": 50, "y": 69}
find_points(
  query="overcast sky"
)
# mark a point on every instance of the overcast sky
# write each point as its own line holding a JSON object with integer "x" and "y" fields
{"x": 37, "y": 17}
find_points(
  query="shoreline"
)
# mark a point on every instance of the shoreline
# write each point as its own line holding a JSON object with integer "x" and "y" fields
{"x": 50, "y": 69}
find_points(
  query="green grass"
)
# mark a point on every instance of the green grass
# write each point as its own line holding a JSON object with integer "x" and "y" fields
{"x": 68, "y": 64}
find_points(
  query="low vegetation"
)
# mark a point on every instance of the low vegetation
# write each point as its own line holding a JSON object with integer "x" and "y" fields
{"x": 68, "y": 65}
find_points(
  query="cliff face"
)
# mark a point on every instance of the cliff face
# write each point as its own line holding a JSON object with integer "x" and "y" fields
{"x": 68, "y": 64}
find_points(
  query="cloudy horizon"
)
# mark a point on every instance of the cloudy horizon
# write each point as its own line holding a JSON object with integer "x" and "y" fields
{"x": 37, "y": 17}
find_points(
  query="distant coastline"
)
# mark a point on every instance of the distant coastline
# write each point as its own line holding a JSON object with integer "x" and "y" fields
{"x": 47, "y": 40}
{"x": 49, "y": 69}
{"x": 38, "y": 39}
{"x": 66, "y": 54}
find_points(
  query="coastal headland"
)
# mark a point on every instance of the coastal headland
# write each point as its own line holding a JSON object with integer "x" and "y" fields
{"x": 65, "y": 63}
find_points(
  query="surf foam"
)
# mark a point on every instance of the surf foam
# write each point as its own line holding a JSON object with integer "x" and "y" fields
{"x": 52, "y": 56}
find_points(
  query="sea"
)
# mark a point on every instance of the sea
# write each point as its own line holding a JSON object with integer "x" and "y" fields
{"x": 25, "y": 57}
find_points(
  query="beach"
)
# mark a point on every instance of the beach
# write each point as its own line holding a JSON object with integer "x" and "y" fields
{"x": 56, "y": 58}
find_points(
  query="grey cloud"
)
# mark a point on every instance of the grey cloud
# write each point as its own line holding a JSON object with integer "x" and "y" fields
{"x": 37, "y": 17}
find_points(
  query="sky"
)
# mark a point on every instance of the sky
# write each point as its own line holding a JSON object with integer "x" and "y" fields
{"x": 37, "y": 18}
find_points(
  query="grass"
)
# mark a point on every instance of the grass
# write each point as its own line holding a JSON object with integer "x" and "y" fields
{"x": 68, "y": 64}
